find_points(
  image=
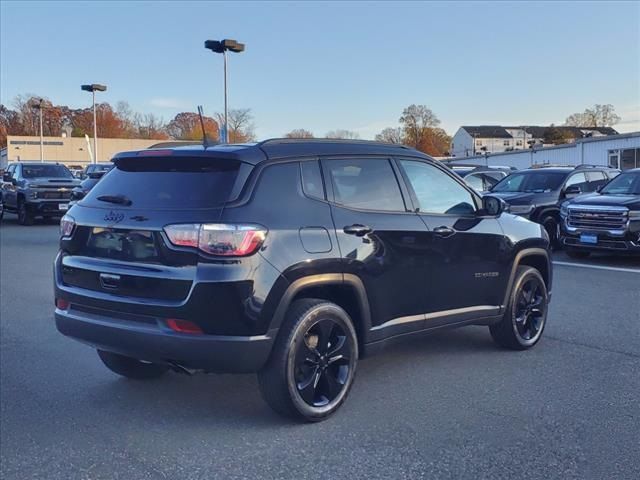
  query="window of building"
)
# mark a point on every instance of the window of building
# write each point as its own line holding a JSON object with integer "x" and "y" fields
{"x": 368, "y": 184}
{"x": 506, "y": 143}
{"x": 518, "y": 143}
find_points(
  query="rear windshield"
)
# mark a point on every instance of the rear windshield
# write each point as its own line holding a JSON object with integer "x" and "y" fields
{"x": 166, "y": 183}
{"x": 48, "y": 171}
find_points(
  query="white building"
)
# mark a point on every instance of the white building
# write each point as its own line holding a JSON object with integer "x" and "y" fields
{"x": 473, "y": 140}
{"x": 618, "y": 151}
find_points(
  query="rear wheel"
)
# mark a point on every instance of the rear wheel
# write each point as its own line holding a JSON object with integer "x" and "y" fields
{"x": 313, "y": 363}
{"x": 526, "y": 315}
{"x": 24, "y": 216}
{"x": 131, "y": 367}
{"x": 577, "y": 254}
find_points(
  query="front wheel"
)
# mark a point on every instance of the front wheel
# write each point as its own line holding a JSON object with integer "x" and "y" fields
{"x": 552, "y": 227}
{"x": 526, "y": 315}
{"x": 24, "y": 216}
{"x": 130, "y": 367}
{"x": 313, "y": 363}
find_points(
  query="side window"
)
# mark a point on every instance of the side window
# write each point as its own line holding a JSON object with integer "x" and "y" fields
{"x": 16, "y": 171}
{"x": 578, "y": 179}
{"x": 596, "y": 179}
{"x": 368, "y": 184}
{"x": 436, "y": 191}
{"x": 474, "y": 181}
{"x": 312, "y": 179}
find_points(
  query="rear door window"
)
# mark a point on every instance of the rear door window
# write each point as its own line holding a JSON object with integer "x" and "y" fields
{"x": 167, "y": 183}
{"x": 367, "y": 184}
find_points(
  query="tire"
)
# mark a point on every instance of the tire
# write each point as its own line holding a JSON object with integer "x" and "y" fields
{"x": 24, "y": 216}
{"x": 130, "y": 367}
{"x": 526, "y": 316}
{"x": 552, "y": 227}
{"x": 577, "y": 254}
{"x": 304, "y": 379}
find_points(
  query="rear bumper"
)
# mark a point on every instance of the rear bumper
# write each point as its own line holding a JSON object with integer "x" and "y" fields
{"x": 107, "y": 330}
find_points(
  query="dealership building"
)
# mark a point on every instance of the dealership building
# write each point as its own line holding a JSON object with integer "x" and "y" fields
{"x": 71, "y": 151}
{"x": 618, "y": 151}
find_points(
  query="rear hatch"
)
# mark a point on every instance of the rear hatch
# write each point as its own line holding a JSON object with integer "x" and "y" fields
{"x": 118, "y": 231}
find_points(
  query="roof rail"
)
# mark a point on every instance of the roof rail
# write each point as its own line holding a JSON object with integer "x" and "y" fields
{"x": 585, "y": 165}
{"x": 275, "y": 141}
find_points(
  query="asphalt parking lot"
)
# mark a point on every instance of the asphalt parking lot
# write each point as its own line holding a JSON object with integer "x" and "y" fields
{"x": 451, "y": 405}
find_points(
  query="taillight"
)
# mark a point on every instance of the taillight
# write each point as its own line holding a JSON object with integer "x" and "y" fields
{"x": 221, "y": 239}
{"x": 67, "y": 224}
{"x": 62, "y": 304}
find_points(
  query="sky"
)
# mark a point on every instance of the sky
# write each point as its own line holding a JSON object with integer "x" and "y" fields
{"x": 332, "y": 65}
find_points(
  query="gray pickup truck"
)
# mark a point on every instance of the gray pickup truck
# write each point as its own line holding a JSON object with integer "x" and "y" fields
{"x": 32, "y": 189}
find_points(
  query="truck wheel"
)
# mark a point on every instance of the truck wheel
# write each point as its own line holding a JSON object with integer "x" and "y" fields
{"x": 577, "y": 254}
{"x": 526, "y": 315}
{"x": 313, "y": 362}
{"x": 24, "y": 216}
{"x": 552, "y": 228}
{"x": 131, "y": 367}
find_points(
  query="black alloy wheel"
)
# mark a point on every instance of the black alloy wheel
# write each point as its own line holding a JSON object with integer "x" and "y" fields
{"x": 530, "y": 309}
{"x": 524, "y": 320}
{"x": 322, "y": 363}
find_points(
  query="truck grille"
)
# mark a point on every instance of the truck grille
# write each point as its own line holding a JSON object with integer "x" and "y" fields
{"x": 598, "y": 218}
{"x": 55, "y": 195}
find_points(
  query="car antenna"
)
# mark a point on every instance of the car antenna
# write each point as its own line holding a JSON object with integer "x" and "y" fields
{"x": 205, "y": 140}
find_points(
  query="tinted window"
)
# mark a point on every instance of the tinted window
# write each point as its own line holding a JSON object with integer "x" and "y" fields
{"x": 49, "y": 171}
{"x": 312, "y": 179}
{"x": 367, "y": 184}
{"x": 166, "y": 183}
{"x": 532, "y": 181}
{"x": 436, "y": 191}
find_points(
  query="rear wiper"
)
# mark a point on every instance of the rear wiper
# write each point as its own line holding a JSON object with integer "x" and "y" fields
{"x": 119, "y": 199}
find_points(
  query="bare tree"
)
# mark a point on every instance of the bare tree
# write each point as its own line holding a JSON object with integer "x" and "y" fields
{"x": 391, "y": 135}
{"x": 241, "y": 127}
{"x": 150, "y": 126}
{"x": 299, "y": 133}
{"x": 597, "y": 116}
{"x": 342, "y": 134}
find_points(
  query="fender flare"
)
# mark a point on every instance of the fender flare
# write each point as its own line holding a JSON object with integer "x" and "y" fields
{"x": 527, "y": 252}
{"x": 349, "y": 280}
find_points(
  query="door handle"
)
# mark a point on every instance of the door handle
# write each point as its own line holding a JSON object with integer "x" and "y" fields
{"x": 357, "y": 230}
{"x": 443, "y": 231}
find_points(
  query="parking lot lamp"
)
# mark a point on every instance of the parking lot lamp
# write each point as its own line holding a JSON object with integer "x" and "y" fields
{"x": 93, "y": 88}
{"x": 222, "y": 46}
{"x": 38, "y": 106}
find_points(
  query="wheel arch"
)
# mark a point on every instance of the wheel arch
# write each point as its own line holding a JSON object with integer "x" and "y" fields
{"x": 537, "y": 258}
{"x": 345, "y": 290}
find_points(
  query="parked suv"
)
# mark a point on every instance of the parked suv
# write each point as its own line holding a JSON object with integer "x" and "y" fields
{"x": 537, "y": 193}
{"x": 607, "y": 220}
{"x": 37, "y": 189}
{"x": 292, "y": 259}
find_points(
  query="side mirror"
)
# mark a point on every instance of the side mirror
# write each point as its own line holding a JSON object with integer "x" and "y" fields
{"x": 6, "y": 177}
{"x": 572, "y": 191}
{"x": 493, "y": 206}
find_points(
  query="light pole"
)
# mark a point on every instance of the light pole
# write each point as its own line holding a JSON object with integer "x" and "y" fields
{"x": 38, "y": 106}
{"x": 222, "y": 47}
{"x": 93, "y": 88}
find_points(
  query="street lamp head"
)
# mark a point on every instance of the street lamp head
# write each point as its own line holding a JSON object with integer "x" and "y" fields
{"x": 224, "y": 45}
{"x": 94, "y": 87}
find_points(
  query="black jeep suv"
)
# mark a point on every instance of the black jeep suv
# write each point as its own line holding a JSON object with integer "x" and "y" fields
{"x": 605, "y": 221}
{"x": 537, "y": 193}
{"x": 291, "y": 259}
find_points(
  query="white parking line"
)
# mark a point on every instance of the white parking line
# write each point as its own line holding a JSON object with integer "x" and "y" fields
{"x": 597, "y": 267}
